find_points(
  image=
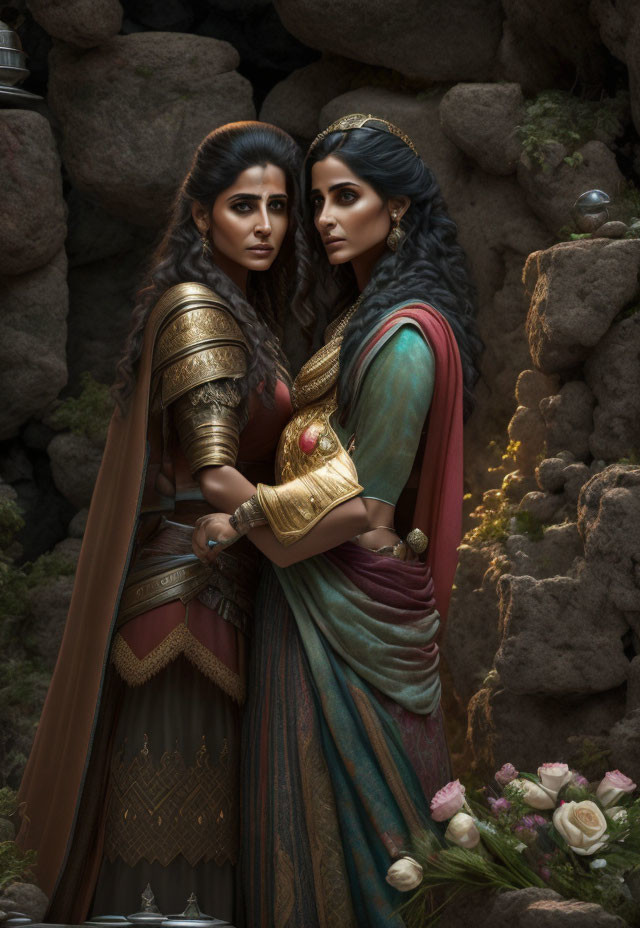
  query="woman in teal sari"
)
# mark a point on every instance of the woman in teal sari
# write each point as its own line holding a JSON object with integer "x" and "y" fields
{"x": 343, "y": 735}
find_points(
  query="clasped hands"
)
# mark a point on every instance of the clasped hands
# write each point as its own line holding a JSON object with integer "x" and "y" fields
{"x": 212, "y": 528}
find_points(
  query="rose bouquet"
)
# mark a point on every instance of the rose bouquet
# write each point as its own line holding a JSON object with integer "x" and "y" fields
{"x": 553, "y": 830}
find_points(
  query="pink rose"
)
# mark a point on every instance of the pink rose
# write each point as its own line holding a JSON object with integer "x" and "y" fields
{"x": 506, "y": 774}
{"x": 554, "y": 776}
{"x": 447, "y": 801}
{"x": 612, "y": 786}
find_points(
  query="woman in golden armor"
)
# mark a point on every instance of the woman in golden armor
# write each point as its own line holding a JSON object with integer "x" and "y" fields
{"x": 343, "y": 740}
{"x": 134, "y": 773}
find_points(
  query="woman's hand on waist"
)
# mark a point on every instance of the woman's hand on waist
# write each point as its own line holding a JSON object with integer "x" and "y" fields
{"x": 212, "y": 528}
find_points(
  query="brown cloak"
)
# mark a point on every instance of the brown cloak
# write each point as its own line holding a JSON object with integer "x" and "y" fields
{"x": 54, "y": 779}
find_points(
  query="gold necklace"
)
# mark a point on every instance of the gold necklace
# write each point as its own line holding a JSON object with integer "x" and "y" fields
{"x": 320, "y": 373}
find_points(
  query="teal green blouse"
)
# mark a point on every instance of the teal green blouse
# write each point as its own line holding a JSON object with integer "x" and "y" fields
{"x": 388, "y": 416}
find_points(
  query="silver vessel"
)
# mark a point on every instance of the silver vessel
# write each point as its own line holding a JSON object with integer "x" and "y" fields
{"x": 13, "y": 68}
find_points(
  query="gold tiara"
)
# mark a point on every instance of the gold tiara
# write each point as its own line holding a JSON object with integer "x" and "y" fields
{"x": 358, "y": 121}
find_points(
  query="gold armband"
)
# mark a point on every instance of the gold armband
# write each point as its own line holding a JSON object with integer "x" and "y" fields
{"x": 293, "y": 508}
{"x": 208, "y": 436}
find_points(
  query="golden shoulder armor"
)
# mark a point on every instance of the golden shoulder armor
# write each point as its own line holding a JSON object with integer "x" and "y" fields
{"x": 198, "y": 341}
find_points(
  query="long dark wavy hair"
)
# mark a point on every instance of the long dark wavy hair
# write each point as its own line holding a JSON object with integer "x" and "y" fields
{"x": 220, "y": 158}
{"x": 429, "y": 265}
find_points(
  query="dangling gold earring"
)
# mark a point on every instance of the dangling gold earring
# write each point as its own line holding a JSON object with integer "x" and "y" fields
{"x": 206, "y": 245}
{"x": 394, "y": 238}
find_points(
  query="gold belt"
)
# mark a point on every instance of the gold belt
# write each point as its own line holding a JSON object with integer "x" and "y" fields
{"x": 149, "y": 588}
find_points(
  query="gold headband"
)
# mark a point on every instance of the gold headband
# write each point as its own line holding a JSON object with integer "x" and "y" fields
{"x": 358, "y": 121}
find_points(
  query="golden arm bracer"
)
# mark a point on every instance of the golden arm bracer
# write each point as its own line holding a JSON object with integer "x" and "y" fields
{"x": 318, "y": 475}
{"x": 199, "y": 356}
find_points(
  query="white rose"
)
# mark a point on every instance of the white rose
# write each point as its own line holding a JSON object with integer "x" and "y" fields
{"x": 554, "y": 776}
{"x": 582, "y": 825}
{"x": 404, "y": 874}
{"x": 612, "y": 786}
{"x": 535, "y": 796}
{"x": 462, "y": 831}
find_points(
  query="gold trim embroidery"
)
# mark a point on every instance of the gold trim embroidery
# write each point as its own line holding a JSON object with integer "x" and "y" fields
{"x": 135, "y": 671}
{"x": 158, "y": 811}
{"x": 333, "y": 898}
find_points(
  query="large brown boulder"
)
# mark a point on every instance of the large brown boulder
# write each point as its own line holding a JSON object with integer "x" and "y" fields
{"x": 613, "y": 373}
{"x": 82, "y": 22}
{"x": 552, "y": 189}
{"x": 624, "y": 742}
{"x": 632, "y": 58}
{"x": 75, "y": 462}
{"x": 33, "y": 226}
{"x": 609, "y": 522}
{"x": 295, "y": 103}
{"x": 576, "y": 290}
{"x": 528, "y": 730}
{"x": 101, "y": 298}
{"x": 568, "y": 417}
{"x": 33, "y": 334}
{"x": 560, "y": 636}
{"x": 525, "y": 908}
{"x": 482, "y": 120}
{"x": 472, "y": 625}
{"x": 436, "y": 41}
{"x": 134, "y": 110}
{"x": 559, "y": 39}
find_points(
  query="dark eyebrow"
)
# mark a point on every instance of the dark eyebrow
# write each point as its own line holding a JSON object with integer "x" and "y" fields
{"x": 256, "y": 196}
{"x": 343, "y": 183}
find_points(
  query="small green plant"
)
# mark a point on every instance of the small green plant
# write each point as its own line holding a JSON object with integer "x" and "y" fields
{"x": 497, "y": 518}
{"x": 555, "y": 116}
{"x": 588, "y": 756}
{"x": 16, "y": 582}
{"x": 15, "y": 865}
{"x": 631, "y": 458}
{"x": 11, "y": 521}
{"x": 8, "y": 802}
{"x": 87, "y": 414}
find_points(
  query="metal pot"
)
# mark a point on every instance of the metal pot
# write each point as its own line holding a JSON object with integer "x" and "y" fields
{"x": 13, "y": 75}
{"x": 12, "y": 58}
{"x": 9, "y": 38}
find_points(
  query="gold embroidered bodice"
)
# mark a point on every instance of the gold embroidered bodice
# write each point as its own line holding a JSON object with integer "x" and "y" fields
{"x": 314, "y": 472}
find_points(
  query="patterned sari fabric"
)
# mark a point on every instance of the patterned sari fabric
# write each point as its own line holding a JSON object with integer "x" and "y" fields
{"x": 343, "y": 740}
{"x": 337, "y": 772}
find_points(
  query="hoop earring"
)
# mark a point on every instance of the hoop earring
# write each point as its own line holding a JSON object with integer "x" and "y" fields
{"x": 206, "y": 246}
{"x": 395, "y": 237}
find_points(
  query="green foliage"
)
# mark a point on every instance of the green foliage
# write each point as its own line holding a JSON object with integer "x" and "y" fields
{"x": 555, "y": 116}
{"x": 496, "y": 518}
{"x": 11, "y": 521}
{"x": 142, "y": 70}
{"x": 16, "y": 582}
{"x": 589, "y": 757}
{"x": 8, "y": 802}
{"x": 87, "y": 414}
{"x": 23, "y": 677}
{"x": 15, "y": 865}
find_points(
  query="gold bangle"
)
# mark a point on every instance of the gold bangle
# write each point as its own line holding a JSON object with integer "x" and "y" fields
{"x": 247, "y": 516}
